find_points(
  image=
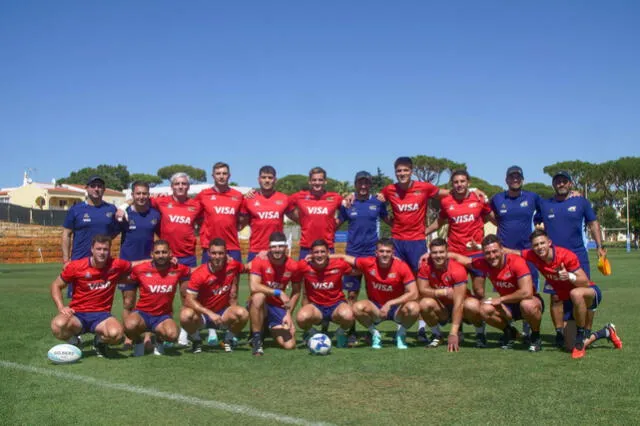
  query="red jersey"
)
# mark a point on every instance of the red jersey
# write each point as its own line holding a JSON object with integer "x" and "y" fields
{"x": 409, "y": 209}
{"x": 275, "y": 276}
{"x": 384, "y": 284}
{"x": 93, "y": 288}
{"x": 324, "y": 286}
{"x": 177, "y": 223}
{"x": 213, "y": 289}
{"x": 466, "y": 223}
{"x": 266, "y": 217}
{"x": 504, "y": 280}
{"x": 317, "y": 216}
{"x": 550, "y": 270}
{"x": 220, "y": 210}
{"x": 453, "y": 275}
{"x": 158, "y": 288}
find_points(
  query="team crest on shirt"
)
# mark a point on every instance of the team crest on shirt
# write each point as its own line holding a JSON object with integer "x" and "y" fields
{"x": 170, "y": 206}
{"x": 87, "y": 274}
{"x": 234, "y": 198}
{"x": 172, "y": 274}
{"x": 257, "y": 203}
{"x": 154, "y": 221}
{"x": 418, "y": 192}
{"x": 286, "y": 275}
{"x": 447, "y": 279}
{"x": 329, "y": 198}
{"x": 86, "y": 218}
{"x": 279, "y": 202}
{"x": 452, "y": 207}
{"x": 472, "y": 205}
{"x": 392, "y": 275}
{"x": 334, "y": 271}
{"x": 132, "y": 224}
{"x": 372, "y": 272}
{"x": 213, "y": 197}
{"x": 572, "y": 209}
{"x": 269, "y": 271}
{"x": 148, "y": 274}
{"x": 551, "y": 215}
{"x": 507, "y": 275}
{"x": 525, "y": 203}
{"x": 109, "y": 214}
{"x": 373, "y": 208}
{"x": 191, "y": 209}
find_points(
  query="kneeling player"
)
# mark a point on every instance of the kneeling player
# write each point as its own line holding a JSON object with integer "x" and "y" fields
{"x": 561, "y": 268}
{"x": 268, "y": 281}
{"x": 323, "y": 288}
{"x": 158, "y": 281}
{"x": 391, "y": 292}
{"x": 511, "y": 278}
{"x": 442, "y": 283}
{"x": 94, "y": 283}
{"x": 211, "y": 298}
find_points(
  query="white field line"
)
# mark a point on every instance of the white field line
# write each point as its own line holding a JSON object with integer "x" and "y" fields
{"x": 216, "y": 405}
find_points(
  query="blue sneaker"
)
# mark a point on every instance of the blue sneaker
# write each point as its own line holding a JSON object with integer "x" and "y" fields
{"x": 401, "y": 341}
{"x": 376, "y": 340}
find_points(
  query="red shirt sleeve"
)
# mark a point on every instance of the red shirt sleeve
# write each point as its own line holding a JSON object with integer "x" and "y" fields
{"x": 407, "y": 275}
{"x": 361, "y": 263}
{"x": 459, "y": 274}
{"x": 519, "y": 266}
{"x": 570, "y": 260}
{"x": 424, "y": 271}
{"x": 431, "y": 189}
{"x": 346, "y": 268}
{"x": 68, "y": 272}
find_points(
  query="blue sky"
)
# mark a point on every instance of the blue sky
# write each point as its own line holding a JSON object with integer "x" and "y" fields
{"x": 344, "y": 85}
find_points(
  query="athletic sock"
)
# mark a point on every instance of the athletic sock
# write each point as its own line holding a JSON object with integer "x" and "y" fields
{"x": 579, "y": 336}
{"x": 587, "y": 332}
{"x": 402, "y": 330}
{"x": 602, "y": 334}
{"x": 481, "y": 329}
{"x": 526, "y": 328}
{"x": 195, "y": 336}
{"x": 372, "y": 329}
{"x": 422, "y": 324}
{"x": 559, "y": 330}
{"x": 435, "y": 330}
{"x": 535, "y": 335}
{"x": 256, "y": 335}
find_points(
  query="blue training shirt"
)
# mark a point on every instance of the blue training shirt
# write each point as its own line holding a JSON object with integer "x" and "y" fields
{"x": 564, "y": 221}
{"x": 87, "y": 221}
{"x": 363, "y": 217}
{"x": 137, "y": 234}
{"x": 515, "y": 217}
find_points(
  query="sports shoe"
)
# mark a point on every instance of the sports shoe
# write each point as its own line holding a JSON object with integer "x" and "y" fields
{"x": 212, "y": 338}
{"x": 535, "y": 345}
{"x": 507, "y": 339}
{"x": 100, "y": 348}
{"x": 352, "y": 340}
{"x": 158, "y": 349}
{"x": 434, "y": 343}
{"x": 196, "y": 346}
{"x": 422, "y": 335}
{"x": 307, "y": 335}
{"x": 559, "y": 343}
{"x": 613, "y": 336}
{"x": 481, "y": 340}
{"x": 256, "y": 345}
{"x": 401, "y": 341}
{"x": 75, "y": 340}
{"x": 229, "y": 343}
{"x": 138, "y": 349}
{"x": 578, "y": 352}
{"x": 376, "y": 340}
{"x": 341, "y": 338}
{"x": 526, "y": 339}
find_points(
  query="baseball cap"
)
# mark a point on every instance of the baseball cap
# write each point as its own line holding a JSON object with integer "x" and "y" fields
{"x": 562, "y": 173}
{"x": 94, "y": 178}
{"x": 515, "y": 169}
{"x": 363, "y": 175}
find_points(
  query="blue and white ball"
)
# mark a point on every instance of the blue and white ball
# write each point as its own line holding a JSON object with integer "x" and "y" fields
{"x": 319, "y": 344}
{"x": 64, "y": 354}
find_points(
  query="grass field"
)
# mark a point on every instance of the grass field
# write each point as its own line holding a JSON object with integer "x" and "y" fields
{"x": 350, "y": 386}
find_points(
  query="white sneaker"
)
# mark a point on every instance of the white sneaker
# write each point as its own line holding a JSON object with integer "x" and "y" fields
{"x": 183, "y": 338}
{"x": 158, "y": 349}
{"x": 75, "y": 340}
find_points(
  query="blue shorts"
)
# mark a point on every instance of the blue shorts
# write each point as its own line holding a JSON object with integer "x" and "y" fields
{"x": 304, "y": 251}
{"x": 189, "y": 261}
{"x": 391, "y": 315}
{"x": 583, "y": 259}
{"x": 90, "y": 320}
{"x": 152, "y": 321}
{"x": 567, "y": 305}
{"x": 410, "y": 251}
{"x": 327, "y": 311}
{"x": 235, "y": 255}
{"x": 206, "y": 321}
{"x": 275, "y": 315}
{"x": 514, "y": 308}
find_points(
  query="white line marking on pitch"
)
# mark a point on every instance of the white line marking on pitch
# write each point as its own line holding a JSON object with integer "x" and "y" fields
{"x": 231, "y": 408}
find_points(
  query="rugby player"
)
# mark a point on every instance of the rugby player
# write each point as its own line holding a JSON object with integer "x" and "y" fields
{"x": 89, "y": 311}
{"x": 442, "y": 283}
{"x": 268, "y": 282}
{"x": 511, "y": 278}
{"x": 564, "y": 217}
{"x": 577, "y": 293}
{"x": 210, "y": 300}
{"x": 157, "y": 282}
{"x": 323, "y": 287}
{"x": 391, "y": 292}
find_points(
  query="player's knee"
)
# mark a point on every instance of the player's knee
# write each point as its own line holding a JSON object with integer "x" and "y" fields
{"x": 359, "y": 308}
{"x": 487, "y": 310}
{"x": 257, "y": 299}
{"x": 428, "y": 304}
{"x": 555, "y": 299}
{"x": 170, "y": 333}
{"x": 411, "y": 309}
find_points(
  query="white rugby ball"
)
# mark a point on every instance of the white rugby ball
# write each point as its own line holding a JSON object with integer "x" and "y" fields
{"x": 64, "y": 354}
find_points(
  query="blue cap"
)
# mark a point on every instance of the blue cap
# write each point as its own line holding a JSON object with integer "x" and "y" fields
{"x": 94, "y": 178}
{"x": 515, "y": 169}
{"x": 363, "y": 175}
{"x": 562, "y": 173}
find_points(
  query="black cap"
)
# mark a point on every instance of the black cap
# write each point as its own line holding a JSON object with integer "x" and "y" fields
{"x": 94, "y": 178}
{"x": 562, "y": 173}
{"x": 515, "y": 169}
{"x": 363, "y": 175}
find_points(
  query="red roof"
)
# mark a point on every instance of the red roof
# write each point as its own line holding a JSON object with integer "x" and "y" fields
{"x": 107, "y": 191}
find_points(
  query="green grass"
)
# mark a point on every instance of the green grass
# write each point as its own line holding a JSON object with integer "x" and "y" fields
{"x": 350, "y": 386}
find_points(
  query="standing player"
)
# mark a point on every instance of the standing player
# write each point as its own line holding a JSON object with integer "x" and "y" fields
{"x": 578, "y": 295}
{"x": 363, "y": 215}
{"x": 564, "y": 218}
{"x": 315, "y": 210}
{"x": 268, "y": 282}
{"x": 391, "y": 292}
{"x": 264, "y": 211}
{"x": 442, "y": 283}
{"x": 94, "y": 279}
{"x": 221, "y": 211}
{"x": 511, "y": 278}
{"x": 157, "y": 281}
{"x": 323, "y": 287}
{"x": 210, "y": 298}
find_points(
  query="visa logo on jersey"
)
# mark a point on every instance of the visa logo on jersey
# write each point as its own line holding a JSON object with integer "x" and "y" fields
{"x": 273, "y": 284}
{"x": 161, "y": 288}
{"x": 225, "y": 210}
{"x": 173, "y": 218}
{"x": 322, "y": 286}
{"x": 504, "y": 284}
{"x": 221, "y": 290}
{"x": 318, "y": 210}
{"x": 382, "y": 287}
{"x": 99, "y": 285}
{"x": 269, "y": 215}
{"x": 408, "y": 207}
{"x": 464, "y": 218}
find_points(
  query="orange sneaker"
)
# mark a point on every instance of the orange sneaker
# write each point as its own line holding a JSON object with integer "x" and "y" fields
{"x": 613, "y": 336}
{"x": 578, "y": 353}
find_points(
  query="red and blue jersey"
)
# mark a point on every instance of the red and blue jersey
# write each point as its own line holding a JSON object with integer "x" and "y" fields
{"x": 137, "y": 233}
{"x": 323, "y": 286}
{"x": 93, "y": 288}
{"x": 87, "y": 221}
{"x": 275, "y": 276}
{"x": 452, "y": 275}
{"x": 177, "y": 222}
{"x": 317, "y": 216}
{"x": 158, "y": 287}
{"x": 505, "y": 279}
{"x": 213, "y": 289}
{"x": 221, "y": 211}
{"x": 515, "y": 216}
{"x": 384, "y": 284}
{"x": 266, "y": 216}
{"x": 466, "y": 221}
{"x": 364, "y": 220}
{"x": 409, "y": 209}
